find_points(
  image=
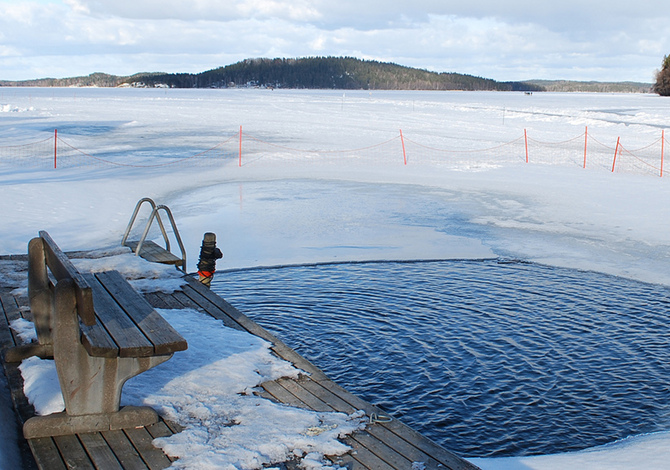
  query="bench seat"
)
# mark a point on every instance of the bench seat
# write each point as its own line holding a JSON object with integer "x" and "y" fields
{"x": 127, "y": 325}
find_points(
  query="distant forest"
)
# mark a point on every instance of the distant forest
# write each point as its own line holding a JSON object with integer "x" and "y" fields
{"x": 342, "y": 73}
{"x": 662, "y": 84}
{"x": 345, "y": 73}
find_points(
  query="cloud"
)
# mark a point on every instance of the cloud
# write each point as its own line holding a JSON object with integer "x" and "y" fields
{"x": 557, "y": 16}
{"x": 212, "y": 10}
{"x": 515, "y": 40}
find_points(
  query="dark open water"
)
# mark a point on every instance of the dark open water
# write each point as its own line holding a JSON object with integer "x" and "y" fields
{"x": 486, "y": 358}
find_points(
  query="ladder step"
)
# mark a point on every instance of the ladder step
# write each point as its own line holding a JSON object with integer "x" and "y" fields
{"x": 155, "y": 253}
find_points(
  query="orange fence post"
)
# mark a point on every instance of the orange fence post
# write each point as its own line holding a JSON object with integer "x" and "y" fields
{"x": 55, "y": 148}
{"x": 616, "y": 151}
{"x": 404, "y": 154}
{"x": 240, "y": 159}
{"x": 525, "y": 138}
{"x": 586, "y": 138}
{"x": 662, "y": 149}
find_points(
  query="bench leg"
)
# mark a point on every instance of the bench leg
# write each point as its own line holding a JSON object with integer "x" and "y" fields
{"x": 91, "y": 386}
{"x": 39, "y": 292}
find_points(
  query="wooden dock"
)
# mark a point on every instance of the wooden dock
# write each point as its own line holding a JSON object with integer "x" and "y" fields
{"x": 382, "y": 445}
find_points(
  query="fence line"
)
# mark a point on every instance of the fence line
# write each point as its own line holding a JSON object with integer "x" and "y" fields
{"x": 190, "y": 159}
{"x": 584, "y": 150}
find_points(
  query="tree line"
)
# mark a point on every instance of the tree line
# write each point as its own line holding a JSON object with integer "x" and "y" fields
{"x": 345, "y": 73}
{"x": 662, "y": 85}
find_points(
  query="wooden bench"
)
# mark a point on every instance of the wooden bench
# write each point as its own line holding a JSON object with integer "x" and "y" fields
{"x": 101, "y": 333}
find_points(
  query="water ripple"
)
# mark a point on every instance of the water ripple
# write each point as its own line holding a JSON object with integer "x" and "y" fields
{"x": 486, "y": 358}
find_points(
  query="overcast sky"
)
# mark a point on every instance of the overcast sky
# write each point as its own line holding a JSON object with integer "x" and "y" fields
{"x": 603, "y": 40}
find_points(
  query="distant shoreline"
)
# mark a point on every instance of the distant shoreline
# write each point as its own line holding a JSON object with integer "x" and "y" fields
{"x": 334, "y": 73}
{"x": 572, "y": 87}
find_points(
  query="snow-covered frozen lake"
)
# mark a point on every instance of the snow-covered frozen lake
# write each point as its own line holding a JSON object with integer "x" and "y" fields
{"x": 282, "y": 207}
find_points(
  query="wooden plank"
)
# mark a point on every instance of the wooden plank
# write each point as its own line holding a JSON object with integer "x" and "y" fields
{"x": 128, "y": 340}
{"x": 160, "y": 429}
{"x": 174, "y": 427}
{"x": 327, "y": 396}
{"x": 166, "y": 340}
{"x": 26, "y": 452}
{"x": 46, "y": 454}
{"x": 97, "y": 341}
{"x": 149, "y": 250}
{"x": 154, "y": 458}
{"x": 282, "y": 395}
{"x": 216, "y": 306}
{"x": 157, "y": 301}
{"x": 99, "y": 452}
{"x": 73, "y": 452}
{"x": 382, "y": 450}
{"x": 261, "y": 392}
{"x": 20, "y": 257}
{"x": 186, "y": 302}
{"x": 403, "y": 447}
{"x": 196, "y": 302}
{"x": 24, "y": 306}
{"x": 303, "y": 395}
{"x": 8, "y": 337}
{"x": 9, "y": 305}
{"x": 124, "y": 450}
{"x": 177, "y": 300}
{"x": 355, "y": 401}
{"x": 360, "y": 457}
{"x": 155, "y": 253}
{"x": 160, "y": 254}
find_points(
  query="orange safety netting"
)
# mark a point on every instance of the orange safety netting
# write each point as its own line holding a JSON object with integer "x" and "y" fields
{"x": 584, "y": 150}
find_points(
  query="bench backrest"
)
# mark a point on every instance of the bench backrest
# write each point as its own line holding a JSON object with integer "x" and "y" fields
{"x": 62, "y": 268}
{"x": 122, "y": 324}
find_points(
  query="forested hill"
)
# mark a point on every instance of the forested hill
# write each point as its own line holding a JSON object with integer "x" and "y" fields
{"x": 343, "y": 73}
{"x": 314, "y": 72}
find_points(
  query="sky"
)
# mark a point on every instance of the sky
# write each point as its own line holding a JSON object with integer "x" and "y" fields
{"x": 599, "y": 40}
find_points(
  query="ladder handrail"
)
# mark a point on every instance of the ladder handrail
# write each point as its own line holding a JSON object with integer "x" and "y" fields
{"x": 134, "y": 216}
{"x": 156, "y": 214}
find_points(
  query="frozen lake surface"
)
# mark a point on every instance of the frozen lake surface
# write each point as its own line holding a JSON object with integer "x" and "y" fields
{"x": 487, "y": 358}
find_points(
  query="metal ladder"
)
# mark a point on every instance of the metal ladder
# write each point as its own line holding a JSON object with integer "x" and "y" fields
{"x": 156, "y": 253}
